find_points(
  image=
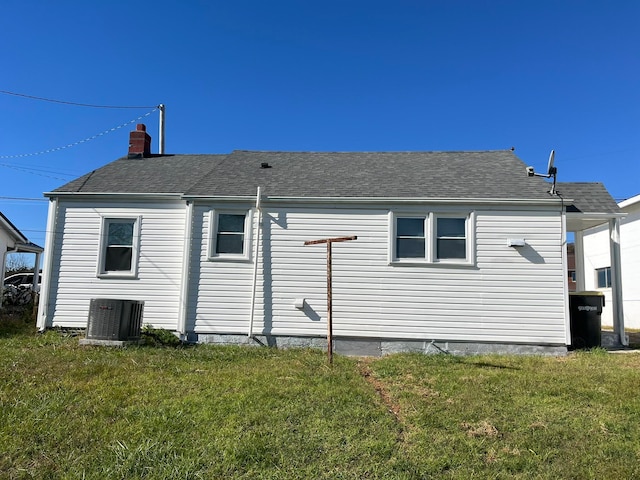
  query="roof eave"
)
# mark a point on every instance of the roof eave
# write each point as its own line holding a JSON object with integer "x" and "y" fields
{"x": 385, "y": 200}
{"x": 118, "y": 195}
{"x": 12, "y": 229}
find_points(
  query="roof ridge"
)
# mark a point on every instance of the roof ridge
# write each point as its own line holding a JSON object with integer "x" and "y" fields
{"x": 371, "y": 151}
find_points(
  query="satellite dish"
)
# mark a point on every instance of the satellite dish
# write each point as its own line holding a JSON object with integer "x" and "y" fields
{"x": 550, "y": 168}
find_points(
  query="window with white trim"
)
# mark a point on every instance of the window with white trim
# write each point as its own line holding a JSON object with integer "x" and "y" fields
{"x": 451, "y": 238}
{"x": 119, "y": 247}
{"x": 411, "y": 237}
{"x": 231, "y": 235}
{"x": 432, "y": 238}
{"x": 603, "y": 277}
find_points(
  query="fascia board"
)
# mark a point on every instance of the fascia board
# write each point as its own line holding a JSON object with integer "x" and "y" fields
{"x": 629, "y": 202}
{"x": 379, "y": 200}
{"x": 112, "y": 196}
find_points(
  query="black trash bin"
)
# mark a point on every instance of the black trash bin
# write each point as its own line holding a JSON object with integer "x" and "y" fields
{"x": 585, "y": 312}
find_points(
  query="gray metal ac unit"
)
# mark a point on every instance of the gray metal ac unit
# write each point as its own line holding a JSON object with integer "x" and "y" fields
{"x": 111, "y": 319}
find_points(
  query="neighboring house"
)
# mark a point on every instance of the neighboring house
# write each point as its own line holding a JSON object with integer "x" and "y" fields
{"x": 13, "y": 241}
{"x": 597, "y": 264}
{"x": 460, "y": 251}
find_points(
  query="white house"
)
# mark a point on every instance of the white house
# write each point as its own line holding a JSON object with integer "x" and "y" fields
{"x": 597, "y": 263}
{"x": 459, "y": 251}
{"x": 13, "y": 241}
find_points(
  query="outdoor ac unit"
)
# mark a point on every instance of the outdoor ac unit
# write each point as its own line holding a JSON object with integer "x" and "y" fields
{"x": 111, "y": 319}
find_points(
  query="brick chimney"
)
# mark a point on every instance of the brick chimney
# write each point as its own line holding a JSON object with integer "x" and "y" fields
{"x": 139, "y": 142}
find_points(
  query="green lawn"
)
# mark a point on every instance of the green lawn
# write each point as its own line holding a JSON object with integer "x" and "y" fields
{"x": 231, "y": 412}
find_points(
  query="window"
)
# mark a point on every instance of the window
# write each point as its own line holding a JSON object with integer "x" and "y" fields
{"x": 431, "y": 238}
{"x": 410, "y": 237}
{"x": 230, "y": 239}
{"x": 118, "y": 252}
{"x": 451, "y": 238}
{"x": 572, "y": 275}
{"x": 603, "y": 277}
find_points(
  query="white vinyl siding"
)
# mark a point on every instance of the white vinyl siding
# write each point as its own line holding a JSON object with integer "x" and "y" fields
{"x": 76, "y": 256}
{"x": 220, "y": 291}
{"x": 509, "y": 295}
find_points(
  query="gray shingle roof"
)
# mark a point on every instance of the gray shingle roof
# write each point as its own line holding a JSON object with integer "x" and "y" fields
{"x": 588, "y": 197}
{"x": 485, "y": 174}
{"x": 156, "y": 174}
{"x": 464, "y": 175}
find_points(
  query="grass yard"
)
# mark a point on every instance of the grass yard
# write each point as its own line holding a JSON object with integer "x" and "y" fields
{"x": 231, "y": 412}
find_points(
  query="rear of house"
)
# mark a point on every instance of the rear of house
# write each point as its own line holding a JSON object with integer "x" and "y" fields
{"x": 214, "y": 245}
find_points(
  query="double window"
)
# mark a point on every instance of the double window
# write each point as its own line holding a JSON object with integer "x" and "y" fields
{"x": 231, "y": 235}
{"x": 119, "y": 247}
{"x": 432, "y": 238}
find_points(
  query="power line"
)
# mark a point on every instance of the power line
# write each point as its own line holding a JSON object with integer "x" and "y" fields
{"x": 40, "y": 170}
{"x": 32, "y": 97}
{"x": 35, "y": 172}
{"x": 25, "y": 199}
{"x": 51, "y": 150}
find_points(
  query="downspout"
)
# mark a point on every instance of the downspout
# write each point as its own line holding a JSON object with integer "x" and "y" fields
{"x": 43, "y": 304}
{"x": 255, "y": 264}
{"x": 185, "y": 280}
{"x": 565, "y": 283}
{"x": 616, "y": 281}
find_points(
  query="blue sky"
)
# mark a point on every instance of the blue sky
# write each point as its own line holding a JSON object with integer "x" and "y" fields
{"x": 329, "y": 76}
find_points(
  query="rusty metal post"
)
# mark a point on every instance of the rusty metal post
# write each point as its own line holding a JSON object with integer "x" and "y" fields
{"x": 329, "y": 241}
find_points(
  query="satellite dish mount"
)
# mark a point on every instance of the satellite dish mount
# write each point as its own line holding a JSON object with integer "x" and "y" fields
{"x": 552, "y": 172}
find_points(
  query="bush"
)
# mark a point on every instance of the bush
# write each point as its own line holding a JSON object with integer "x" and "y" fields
{"x": 158, "y": 337}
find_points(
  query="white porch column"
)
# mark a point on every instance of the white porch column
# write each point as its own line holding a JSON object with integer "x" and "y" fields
{"x": 36, "y": 271}
{"x": 616, "y": 280}
{"x": 578, "y": 242}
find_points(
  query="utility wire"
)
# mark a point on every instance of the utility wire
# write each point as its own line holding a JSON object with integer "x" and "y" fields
{"x": 35, "y": 172}
{"x": 25, "y": 199}
{"x": 32, "y": 97}
{"x": 76, "y": 143}
{"x": 39, "y": 170}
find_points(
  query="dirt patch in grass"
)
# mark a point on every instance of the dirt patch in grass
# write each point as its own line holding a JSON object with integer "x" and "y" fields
{"x": 365, "y": 370}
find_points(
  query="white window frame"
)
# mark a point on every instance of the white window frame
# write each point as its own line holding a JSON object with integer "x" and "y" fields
{"x": 430, "y": 257}
{"x": 106, "y": 220}
{"x": 245, "y": 256}
{"x": 434, "y": 241}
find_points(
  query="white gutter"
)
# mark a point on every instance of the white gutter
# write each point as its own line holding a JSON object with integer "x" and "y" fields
{"x": 118, "y": 195}
{"x": 43, "y": 305}
{"x": 185, "y": 281}
{"x": 384, "y": 200}
{"x": 255, "y": 264}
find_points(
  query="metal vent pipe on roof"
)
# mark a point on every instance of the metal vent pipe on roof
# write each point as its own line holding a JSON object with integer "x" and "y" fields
{"x": 161, "y": 133}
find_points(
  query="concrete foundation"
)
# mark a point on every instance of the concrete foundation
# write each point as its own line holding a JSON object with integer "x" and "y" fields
{"x": 611, "y": 340}
{"x": 380, "y": 347}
